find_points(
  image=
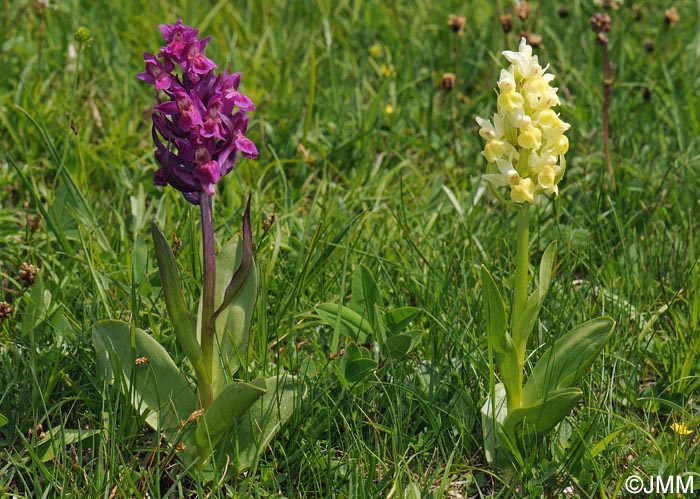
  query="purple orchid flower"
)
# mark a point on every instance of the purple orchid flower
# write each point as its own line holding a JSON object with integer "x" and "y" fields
{"x": 196, "y": 132}
{"x": 178, "y": 37}
{"x": 156, "y": 73}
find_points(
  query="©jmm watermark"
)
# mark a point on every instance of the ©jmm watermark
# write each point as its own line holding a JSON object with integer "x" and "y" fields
{"x": 674, "y": 484}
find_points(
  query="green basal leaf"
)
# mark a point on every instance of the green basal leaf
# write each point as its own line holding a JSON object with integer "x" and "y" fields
{"x": 399, "y": 319}
{"x": 365, "y": 294}
{"x": 546, "y": 265}
{"x": 222, "y": 414}
{"x": 356, "y": 364}
{"x": 528, "y": 319}
{"x": 491, "y": 428}
{"x": 156, "y": 387}
{"x": 567, "y": 360}
{"x": 235, "y": 309}
{"x": 396, "y": 347}
{"x": 256, "y": 428}
{"x": 245, "y": 265}
{"x": 351, "y": 324}
{"x": 175, "y": 303}
{"x": 59, "y": 438}
{"x": 527, "y": 425}
{"x": 494, "y": 313}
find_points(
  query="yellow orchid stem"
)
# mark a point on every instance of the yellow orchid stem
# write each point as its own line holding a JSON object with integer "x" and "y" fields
{"x": 520, "y": 293}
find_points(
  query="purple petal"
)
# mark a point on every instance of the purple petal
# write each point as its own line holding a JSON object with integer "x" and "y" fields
{"x": 246, "y": 146}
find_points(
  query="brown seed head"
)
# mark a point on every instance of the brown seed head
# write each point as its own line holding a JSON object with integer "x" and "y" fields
{"x": 457, "y": 23}
{"x": 532, "y": 39}
{"x": 448, "y": 81}
{"x": 507, "y": 23}
{"x": 608, "y": 4}
{"x": 522, "y": 10}
{"x": 600, "y": 23}
{"x": 564, "y": 12}
{"x": 649, "y": 45}
{"x": 671, "y": 17}
{"x": 5, "y": 310}
{"x": 27, "y": 274}
{"x": 268, "y": 222}
{"x": 637, "y": 12}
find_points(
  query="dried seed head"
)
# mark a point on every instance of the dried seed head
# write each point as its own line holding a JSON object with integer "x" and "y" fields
{"x": 457, "y": 23}
{"x": 448, "y": 81}
{"x": 507, "y": 23}
{"x": 176, "y": 244}
{"x": 269, "y": 222}
{"x": 522, "y": 10}
{"x": 5, "y": 310}
{"x": 27, "y": 274}
{"x": 637, "y": 12}
{"x": 609, "y": 4}
{"x": 646, "y": 94}
{"x": 34, "y": 223}
{"x": 534, "y": 40}
{"x": 141, "y": 360}
{"x": 649, "y": 45}
{"x": 601, "y": 23}
{"x": 564, "y": 12}
{"x": 602, "y": 39}
{"x": 671, "y": 17}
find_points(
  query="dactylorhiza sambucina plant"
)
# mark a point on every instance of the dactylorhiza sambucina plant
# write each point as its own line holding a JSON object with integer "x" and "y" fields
{"x": 199, "y": 126}
{"x": 525, "y": 151}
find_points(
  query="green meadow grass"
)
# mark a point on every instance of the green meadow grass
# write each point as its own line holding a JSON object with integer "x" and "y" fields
{"x": 398, "y": 192}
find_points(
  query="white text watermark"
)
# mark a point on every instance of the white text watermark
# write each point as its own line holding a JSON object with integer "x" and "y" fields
{"x": 658, "y": 484}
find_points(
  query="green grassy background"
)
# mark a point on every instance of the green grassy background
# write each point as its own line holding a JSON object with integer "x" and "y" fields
{"x": 398, "y": 192}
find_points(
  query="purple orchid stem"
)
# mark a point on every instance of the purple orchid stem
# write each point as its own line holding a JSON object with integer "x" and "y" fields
{"x": 206, "y": 393}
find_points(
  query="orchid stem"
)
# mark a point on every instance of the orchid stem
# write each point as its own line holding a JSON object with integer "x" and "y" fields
{"x": 520, "y": 294}
{"x": 206, "y": 394}
{"x": 607, "y": 90}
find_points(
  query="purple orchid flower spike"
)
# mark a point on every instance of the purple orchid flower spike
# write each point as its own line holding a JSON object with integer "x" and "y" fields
{"x": 196, "y": 128}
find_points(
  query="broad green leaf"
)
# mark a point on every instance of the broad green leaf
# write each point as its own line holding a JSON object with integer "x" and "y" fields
{"x": 235, "y": 312}
{"x": 156, "y": 386}
{"x": 365, "y": 295}
{"x": 256, "y": 428}
{"x": 490, "y": 427}
{"x": 494, "y": 313}
{"x": 398, "y": 319}
{"x": 546, "y": 265}
{"x": 351, "y": 324}
{"x": 59, "y": 438}
{"x": 567, "y": 360}
{"x": 175, "y": 303}
{"x": 528, "y": 319}
{"x": 396, "y": 347}
{"x": 245, "y": 266}
{"x": 356, "y": 364}
{"x": 527, "y": 425}
{"x": 222, "y": 414}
